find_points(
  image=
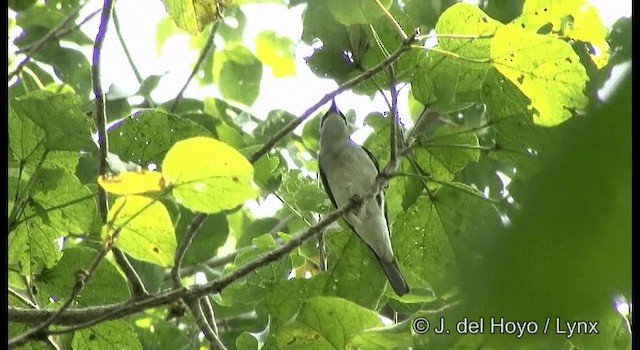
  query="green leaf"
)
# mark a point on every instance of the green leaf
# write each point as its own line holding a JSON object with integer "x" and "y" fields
{"x": 398, "y": 337}
{"x": 211, "y": 236}
{"x": 69, "y": 205}
{"x": 193, "y": 15}
{"x": 421, "y": 245}
{"x": 160, "y": 335}
{"x": 253, "y": 289}
{"x": 65, "y": 125}
{"x": 207, "y": 175}
{"x": 275, "y": 121}
{"x": 326, "y": 323}
{"x": 446, "y": 84}
{"x": 574, "y": 19}
{"x": 356, "y": 11}
{"x": 467, "y": 20}
{"x": 71, "y": 66}
{"x": 21, "y": 5}
{"x": 38, "y": 20}
{"x": 147, "y": 136}
{"x": 267, "y": 175}
{"x": 303, "y": 193}
{"x": 546, "y": 69}
{"x": 232, "y": 28}
{"x": 285, "y": 297}
{"x": 238, "y": 73}
{"x": 27, "y": 139}
{"x": 63, "y": 160}
{"x": 446, "y": 152}
{"x": 32, "y": 246}
{"x": 145, "y": 229}
{"x": 276, "y": 52}
{"x": 107, "y": 285}
{"x": 117, "y": 334}
{"x": 355, "y": 273}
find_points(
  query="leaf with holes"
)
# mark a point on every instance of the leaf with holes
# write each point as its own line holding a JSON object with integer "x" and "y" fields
{"x": 572, "y": 19}
{"x": 146, "y": 231}
{"x": 545, "y": 69}
{"x": 207, "y": 175}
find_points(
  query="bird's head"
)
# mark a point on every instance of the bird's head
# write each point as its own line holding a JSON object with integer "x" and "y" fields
{"x": 333, "y": 125}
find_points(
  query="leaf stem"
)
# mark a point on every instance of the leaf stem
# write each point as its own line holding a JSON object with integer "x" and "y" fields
{"x": 203, "y": 54}
{"x": 393, "y": 21}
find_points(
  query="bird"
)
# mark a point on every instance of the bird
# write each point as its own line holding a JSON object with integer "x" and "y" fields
{"x": 347, "y": 170}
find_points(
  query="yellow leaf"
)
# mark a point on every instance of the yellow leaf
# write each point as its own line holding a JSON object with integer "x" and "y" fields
{"x": 207, "y": 175}
{"x": 544, "y": 68}
{"x": 572, "y": 19}
{"x": 132, "y": 182}
{"x": 145, "y": 229}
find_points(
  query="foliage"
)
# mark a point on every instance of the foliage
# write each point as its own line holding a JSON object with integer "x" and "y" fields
{"x": 511, "y": 201}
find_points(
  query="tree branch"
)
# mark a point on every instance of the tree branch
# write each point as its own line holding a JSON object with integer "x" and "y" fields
{"x": 181, "y": 251}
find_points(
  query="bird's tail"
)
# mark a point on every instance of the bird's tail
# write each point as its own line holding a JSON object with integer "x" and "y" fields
{"x": 394, "y": 276}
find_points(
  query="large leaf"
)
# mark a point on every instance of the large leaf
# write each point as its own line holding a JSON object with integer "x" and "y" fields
{"x": 254, "y": 288}
{"x": 355, "y": 273}
{"x": 357, "y": 11}
{"x": 107, "y": 285}
{"x": 145, "y": 137}
{"x": 32, "y": 246}
{"x": 194, "y": 15}
{"x": 69, "y": 205}
{"x": 546, "y": 69}
{"x": 466, "y": 20}
{"x": 144, "y": 229}
{"x": 238, "y": 73}
{"x": 573, "y": 19}
{"x": 326, "y": 323}
{"x": 207, "y": 175}
{"x": 117, "y": 334}
{"x": 65, "y": 125}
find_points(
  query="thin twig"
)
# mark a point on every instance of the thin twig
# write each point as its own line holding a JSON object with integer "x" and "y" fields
{"x": 393, "y": 21}
{"x": 137, "y": 285}
{"x": 116, "y": 26}
{"x": 22, "y": 298}
{"x": 203, "y": 54}
{"x": 181, "y": 251}
{"x": 205, "y": 326}
{"x": 47, "y": 38}
{"x": 454, "y": 36}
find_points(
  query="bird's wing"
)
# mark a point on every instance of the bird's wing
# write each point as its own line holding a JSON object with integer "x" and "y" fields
{"x": 325, "y": 184}
{"x": 380, "y": 197}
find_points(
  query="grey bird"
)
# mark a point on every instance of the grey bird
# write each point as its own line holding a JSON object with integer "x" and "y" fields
{"x": 348, "y": 169}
